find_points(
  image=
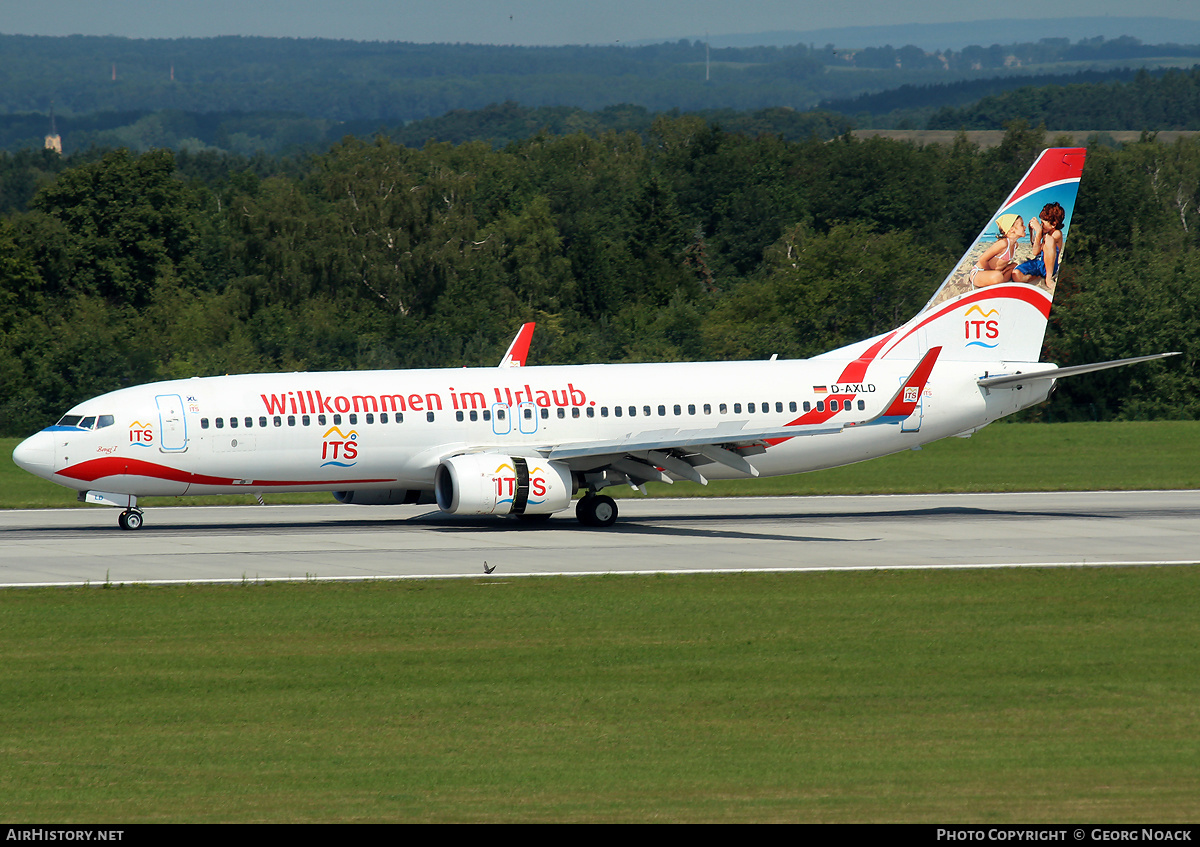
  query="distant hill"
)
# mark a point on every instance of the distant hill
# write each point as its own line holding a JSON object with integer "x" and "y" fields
{"x": 955, "y": 36}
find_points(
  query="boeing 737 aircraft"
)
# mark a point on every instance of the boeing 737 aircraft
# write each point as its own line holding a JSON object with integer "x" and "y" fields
{"x": 520, "y": 440}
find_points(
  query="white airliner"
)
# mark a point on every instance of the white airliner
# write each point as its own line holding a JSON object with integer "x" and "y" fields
{"x": 520, "y": 440}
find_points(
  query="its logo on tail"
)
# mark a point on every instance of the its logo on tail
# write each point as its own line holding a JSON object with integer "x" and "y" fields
{"x": 985, "y": 328}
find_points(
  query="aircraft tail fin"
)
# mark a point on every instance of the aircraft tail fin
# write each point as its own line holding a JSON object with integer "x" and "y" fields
{"x": 994, "y": 305}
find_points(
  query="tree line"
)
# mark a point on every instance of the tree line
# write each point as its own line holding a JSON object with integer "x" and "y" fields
{"x": 688, "y": 242}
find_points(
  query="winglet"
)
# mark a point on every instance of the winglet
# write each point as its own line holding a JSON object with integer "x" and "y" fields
{"x": 905, "y": 400}
{"x": 518, "y": 351}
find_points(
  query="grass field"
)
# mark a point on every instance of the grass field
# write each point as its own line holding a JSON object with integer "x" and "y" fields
{"x": 1006, "y": 457}
{"x": 986, "y": 696}
{"x": 968, "y": 696}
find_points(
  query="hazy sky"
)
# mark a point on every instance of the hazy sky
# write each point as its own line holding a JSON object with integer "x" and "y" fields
{"x": 526, "y": 21}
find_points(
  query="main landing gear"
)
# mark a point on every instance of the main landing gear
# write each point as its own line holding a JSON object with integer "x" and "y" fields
{"x": 596, "y": 510}
{"x": 130, "y": 519}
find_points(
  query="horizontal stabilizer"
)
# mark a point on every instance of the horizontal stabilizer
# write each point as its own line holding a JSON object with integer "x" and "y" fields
{"x": 1056, "y": 373}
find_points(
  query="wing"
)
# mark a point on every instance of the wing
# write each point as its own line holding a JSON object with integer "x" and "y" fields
{"x": 665, "y": 454}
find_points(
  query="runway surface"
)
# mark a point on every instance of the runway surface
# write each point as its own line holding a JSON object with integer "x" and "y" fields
{"x": 235, "y": 543}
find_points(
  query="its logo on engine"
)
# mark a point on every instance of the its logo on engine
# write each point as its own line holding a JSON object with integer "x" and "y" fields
{"x": 505, "y": 480}
{"x": 340, "y": 450}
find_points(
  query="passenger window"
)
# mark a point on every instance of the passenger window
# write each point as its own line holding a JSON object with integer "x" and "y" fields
{"x": 474, "y": 415}
{"x": 278, "y": 421}
{"x": 562, "y": 413}
{"x": 750, "y": 408}
{"x": 662, "y": 411}
{"x": 862, "y": 405}
{"x": 604, "y": 411}
{"x": 574, "y": 411}
{"x": 820, "y": 405}
{"x": 678, "y": 410}
{"x": 529, "y": 414}
{"x": 691, "y": 408}
{"x": 291, "y": 420}
{"x": 792, "y": 406}
{"x": 779, "y": 407}
{"x": 354, "y": 420}
{"x": 487, "y": 414}
{"x": 633, "y": 411}
{"x": 833, "y": 405}
{"x": 646, "y": 410}
{"x": 371, "y": 418}
{"x": 616, "y": 411}
{"x": 807, "y": 406}
{"x": 220, "y": 423}
{"x": 429, "y": 416}
{"x": 737, "y": 408}
{"x": 233, "y": 423}
{"x": 383, "y": 418}
{"x": 499, "y": 414}
{"x": 591, "y": 411}
{"x": 708, "y": 408}
{"x": 400, "y": 417}
{"x": 545, "y": 414}
{"x": 722, "y": 408}
{"x": 458, "y": 416}
{"x": 249, "y": 423}
{"x": 262, "y": 421}
{"x": 204, "y": 423}
{"x": 305, "y": 420}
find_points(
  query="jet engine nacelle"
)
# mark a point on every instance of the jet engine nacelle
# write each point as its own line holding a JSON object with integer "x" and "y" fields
{"x": 493, "y": 484}
{"x": 384, "y": 497}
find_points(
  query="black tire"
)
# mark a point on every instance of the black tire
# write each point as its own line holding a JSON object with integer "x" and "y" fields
{"x": 597, "y": 510}
{"x": 130, "y": 519}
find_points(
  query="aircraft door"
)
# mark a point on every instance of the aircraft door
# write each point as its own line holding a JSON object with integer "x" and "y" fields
{"x": 172, "y": 427}
{"x": 527, "y": 420}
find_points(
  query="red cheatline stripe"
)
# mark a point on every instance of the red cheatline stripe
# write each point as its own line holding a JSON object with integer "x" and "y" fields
{"x": 95, "y": 469}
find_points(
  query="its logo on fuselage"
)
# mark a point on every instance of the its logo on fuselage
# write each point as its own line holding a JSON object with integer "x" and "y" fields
{"x": 141, "y": 434}
{"x": 983, "y": 328}
{"x": 340, "y": 450}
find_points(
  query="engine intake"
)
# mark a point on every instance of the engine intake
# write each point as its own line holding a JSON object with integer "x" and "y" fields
{"x": 492, "y": 484}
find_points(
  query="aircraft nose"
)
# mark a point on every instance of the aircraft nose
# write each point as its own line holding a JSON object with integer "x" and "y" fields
{"x": 36, "y": 455}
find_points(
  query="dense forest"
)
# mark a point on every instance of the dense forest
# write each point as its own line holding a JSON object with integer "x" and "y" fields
{"x": 691, "y": 242}
{"x": 1167, "y": 101}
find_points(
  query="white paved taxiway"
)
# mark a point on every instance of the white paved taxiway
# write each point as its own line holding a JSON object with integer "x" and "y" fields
{"x": 200, "y": 544}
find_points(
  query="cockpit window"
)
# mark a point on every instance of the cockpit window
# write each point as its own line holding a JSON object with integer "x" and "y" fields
{"x": 90, "y": 422}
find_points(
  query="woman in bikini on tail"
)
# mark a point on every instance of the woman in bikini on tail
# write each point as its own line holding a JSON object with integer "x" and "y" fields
{"x": 998, "y": 262}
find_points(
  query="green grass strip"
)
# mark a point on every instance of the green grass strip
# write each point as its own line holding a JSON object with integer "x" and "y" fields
{"x": 989, "y": 696}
